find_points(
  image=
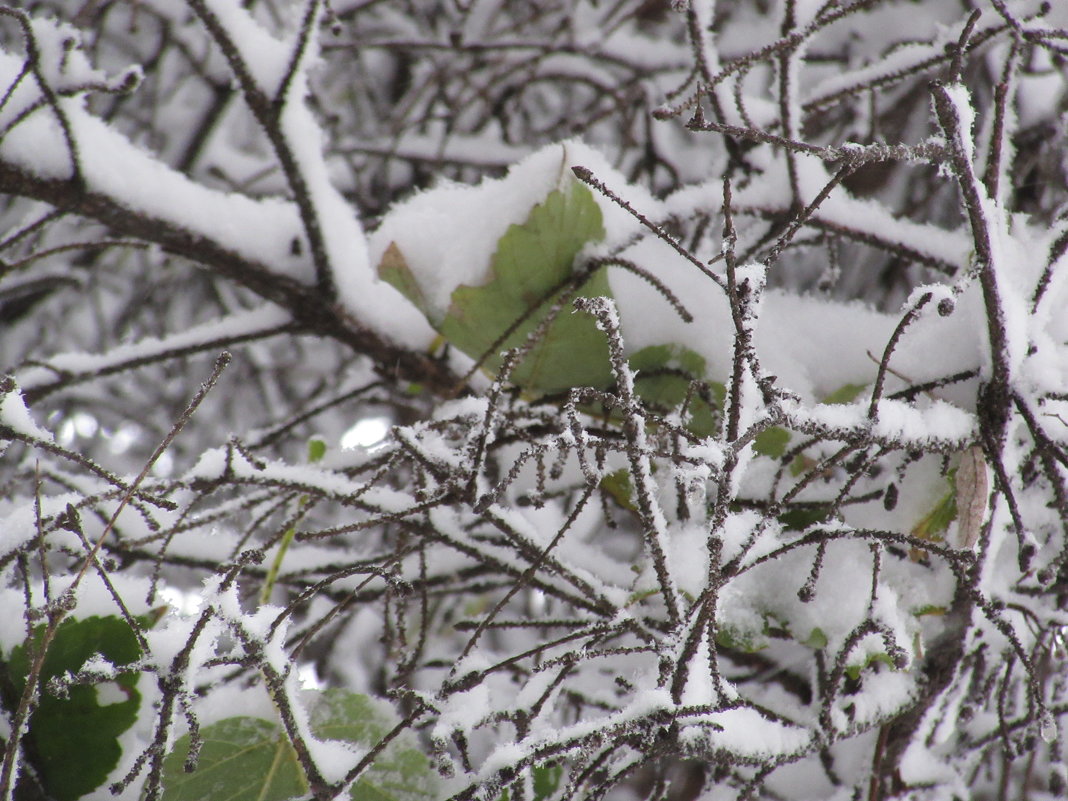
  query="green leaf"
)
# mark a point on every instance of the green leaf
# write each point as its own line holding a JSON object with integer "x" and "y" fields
{"x": 250, "y": 759}
{"x": 72, "y": 742}
{"x": 878, "y": 658}
{"x": 934, "y": 524}
{"x": 847, "y": 393}
{"x": 663, "y": 382}
{"x": 546, "y": 780}
{"x": 316, "y": 449}
{"x": 817, "y": 639}
{"x": 772, "y": 442}
{"x": 402, "y": 772}
{"x": 739, "y": 639}
{"x": 528, "y": 273}
{"x": 394, "y": 270}
{"x": 800, "y": 518}
{"x": 930, "y": 609}
{"x": 617, "y": 485}
{"x": 533, "y": 260}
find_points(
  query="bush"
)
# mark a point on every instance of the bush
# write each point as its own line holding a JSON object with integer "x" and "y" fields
{"x": 533, "y": 400}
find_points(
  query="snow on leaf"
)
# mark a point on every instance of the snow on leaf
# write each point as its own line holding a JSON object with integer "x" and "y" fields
{"x": 531, "y": 269}
{"x": 16, "y": 416}
{"x": 250, "y": 758}
{"x": 72, "y": 739}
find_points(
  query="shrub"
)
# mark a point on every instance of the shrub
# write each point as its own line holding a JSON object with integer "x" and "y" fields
{"x": 533, "y": 400}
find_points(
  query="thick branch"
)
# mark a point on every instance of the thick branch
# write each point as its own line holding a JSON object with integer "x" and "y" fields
{"x": 309, "y": 308}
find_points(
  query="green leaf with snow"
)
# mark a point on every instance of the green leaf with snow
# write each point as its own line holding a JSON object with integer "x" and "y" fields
{"x": 737, "y": 638}
{"x": 530, "y": 270}
{"x": 250, "y": 759}
{"x": 879, "y": 658}
{"x": 394, "y": 270}
{"x": 664, "y": 375}
{"x": 72, "y": 741}
{"x": 817, "y": 639}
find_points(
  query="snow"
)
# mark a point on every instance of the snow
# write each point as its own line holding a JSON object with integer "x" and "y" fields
{"x": 949, "y": 247}
{"x": 465, "y": 710}
{"x": 933, "y": 423}
{"x": 16, "y": 416}
{"x": 261, "y": 231}
{"x": 699, "y": 689}
{"x": 266, "y": 57}
{"x": 448, "y": 234}
{"x": 747, "y": 733}
{"x": 688, "y": 557}
{"x": 885, "y": 692}
{"x": 925, "y": 766}
{"x": 218, "y": 332}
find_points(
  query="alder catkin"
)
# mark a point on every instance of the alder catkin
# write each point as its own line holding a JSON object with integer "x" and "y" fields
{"x": 973, "y": 487}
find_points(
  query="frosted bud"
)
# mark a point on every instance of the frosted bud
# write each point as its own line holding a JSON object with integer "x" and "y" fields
{"x": 1047, "y": 728}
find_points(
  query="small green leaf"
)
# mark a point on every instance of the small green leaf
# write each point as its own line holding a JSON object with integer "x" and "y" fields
{"x": 546, "y": 780}
{"x": 800, "y": 518}
{"x": 738, "y": 639}
{"x": 934, "y": 524}
{"x": 663, "y": 382}
{"x": 640, "y": 595}
{"x": 617, "y": 485}
{"x": 316, "y": 449}
{"x": 847, "y": 393}
{"x": 72, "y": 742}
{"x": 930, "y": 609}
{"x": 250, "y": 759}
{"x": 772, "y": 442}
{"x": 879, "y": 658}
{"x": 817, "y": 639}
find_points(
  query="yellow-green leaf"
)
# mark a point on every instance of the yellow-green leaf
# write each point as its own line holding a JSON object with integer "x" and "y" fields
{"x": 934, "y": 524}
{"x": 316, "y": 449}
{"x": 394, "y": 270}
